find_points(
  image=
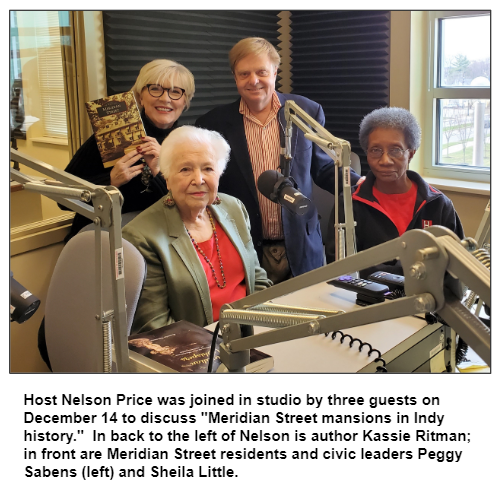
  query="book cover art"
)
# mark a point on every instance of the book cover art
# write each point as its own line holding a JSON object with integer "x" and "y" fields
{"x": 185, "y": 347}
{"x": 117, "y": 125}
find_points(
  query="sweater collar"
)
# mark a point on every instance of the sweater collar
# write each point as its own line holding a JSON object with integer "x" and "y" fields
{"x": 153, "y": 131}
{"x": 424, "y": 190}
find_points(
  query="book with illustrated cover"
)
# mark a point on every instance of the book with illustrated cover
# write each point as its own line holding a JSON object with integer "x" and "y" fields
{"x": 185, "y": 347}
{"x": 117, "y": 125}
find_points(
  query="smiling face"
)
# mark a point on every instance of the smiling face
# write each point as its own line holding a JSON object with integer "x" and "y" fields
{"x": 193, "y": 176}
{"x": 389, "y": 172}
{"x": 255, "y": 77}
{"x": 162, "y": 111}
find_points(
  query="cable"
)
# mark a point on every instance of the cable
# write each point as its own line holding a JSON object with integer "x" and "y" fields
{"x": 212, "y": 349}
{"x": 360, "y": 347}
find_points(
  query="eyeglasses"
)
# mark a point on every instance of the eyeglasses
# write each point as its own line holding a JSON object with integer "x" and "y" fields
{"x": 395, "y": 153}
{"x": 157, "y": 91}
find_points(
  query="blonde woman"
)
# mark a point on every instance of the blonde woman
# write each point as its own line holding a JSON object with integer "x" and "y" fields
{"x": 163, "y": 90}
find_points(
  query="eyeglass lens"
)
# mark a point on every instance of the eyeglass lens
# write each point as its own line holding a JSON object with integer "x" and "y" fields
{"x": 174, "y": 93}
{"x": 395, "y": 153}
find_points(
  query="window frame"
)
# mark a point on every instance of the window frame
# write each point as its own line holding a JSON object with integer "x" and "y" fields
{"x": 435, "y": 93}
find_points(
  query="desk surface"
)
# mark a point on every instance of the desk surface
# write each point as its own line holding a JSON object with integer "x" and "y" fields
{"x": 322, "y": 354}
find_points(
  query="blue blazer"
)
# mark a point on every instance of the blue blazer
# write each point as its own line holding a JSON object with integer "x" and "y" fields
{"x": 304, "y": 247}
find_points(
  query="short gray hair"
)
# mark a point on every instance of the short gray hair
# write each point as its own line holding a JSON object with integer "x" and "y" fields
{"x": 391, "y": 117}
{"x": 184, "y": 134}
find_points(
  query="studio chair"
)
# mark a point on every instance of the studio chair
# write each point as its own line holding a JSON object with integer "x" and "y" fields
{"x": 74, "y": 343}
{"x": 125, "y": 219}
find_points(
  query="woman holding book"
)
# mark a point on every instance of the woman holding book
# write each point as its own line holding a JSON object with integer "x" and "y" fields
{"x": 163, "y": 90}
{"x": 196, "y": 242}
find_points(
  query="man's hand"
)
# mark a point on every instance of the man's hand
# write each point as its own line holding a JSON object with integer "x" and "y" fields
{"x": 150, "y": 149}
{"x": 124, "y": 171}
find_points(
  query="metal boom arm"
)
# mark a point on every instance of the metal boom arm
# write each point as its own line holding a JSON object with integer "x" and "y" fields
{"x": 434, "y": 262}
{"x": 73, "y": 192}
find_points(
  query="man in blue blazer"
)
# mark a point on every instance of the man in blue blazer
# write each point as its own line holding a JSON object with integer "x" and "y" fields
{"x": 287, "y": 244}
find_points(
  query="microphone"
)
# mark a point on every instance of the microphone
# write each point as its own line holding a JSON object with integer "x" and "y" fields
{"x": 22, "y": 302}
{"x": 281, "y": 190}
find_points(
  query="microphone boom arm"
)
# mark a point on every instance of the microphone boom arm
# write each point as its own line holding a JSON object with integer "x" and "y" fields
{"x": 74, "y": 192}
{"x": 433, "y": 261}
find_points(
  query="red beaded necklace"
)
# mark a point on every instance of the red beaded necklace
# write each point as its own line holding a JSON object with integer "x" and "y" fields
{"x": 196, "y": 245}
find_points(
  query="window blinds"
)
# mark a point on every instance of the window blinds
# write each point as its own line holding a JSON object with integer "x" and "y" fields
{"x": 50, "y": 73}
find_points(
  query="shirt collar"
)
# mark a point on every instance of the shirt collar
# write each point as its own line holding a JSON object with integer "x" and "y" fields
{"x": 245, "y": 110}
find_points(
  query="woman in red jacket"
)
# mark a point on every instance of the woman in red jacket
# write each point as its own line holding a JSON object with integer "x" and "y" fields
{"x": 393, "y": 199}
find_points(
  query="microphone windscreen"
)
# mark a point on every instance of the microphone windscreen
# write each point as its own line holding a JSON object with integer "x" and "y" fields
{"x": 267, "y": 180}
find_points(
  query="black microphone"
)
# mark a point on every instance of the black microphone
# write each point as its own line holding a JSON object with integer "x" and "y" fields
{"x": 281, "y": 190}
{"x": 22, "y": 302}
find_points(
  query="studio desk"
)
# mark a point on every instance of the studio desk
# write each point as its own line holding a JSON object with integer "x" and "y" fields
{"x": 407, "y": 344}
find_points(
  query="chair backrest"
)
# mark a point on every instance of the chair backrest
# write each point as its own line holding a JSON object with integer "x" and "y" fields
{"x": 355, "y": 163}
{"x": 125, "y": 219}
{"x": 74, "y": 343}
{"x": 324, "y": 200}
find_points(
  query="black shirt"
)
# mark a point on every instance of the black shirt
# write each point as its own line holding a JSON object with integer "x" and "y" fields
{"x": 88, "y": 165}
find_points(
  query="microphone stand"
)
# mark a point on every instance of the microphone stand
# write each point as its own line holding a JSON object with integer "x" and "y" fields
{"x": 340, "y": 151}
{"x": 75, "y": 193}
{"x": 287, "y": 150}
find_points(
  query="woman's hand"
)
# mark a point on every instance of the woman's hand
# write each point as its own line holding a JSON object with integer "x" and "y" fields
{"x": 124, "y": 171}
{"x": 150, "y": 149}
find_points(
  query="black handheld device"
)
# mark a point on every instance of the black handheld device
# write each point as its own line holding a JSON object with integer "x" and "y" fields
{"x": 393, "y": 281}
{"x": 368, "y": 292}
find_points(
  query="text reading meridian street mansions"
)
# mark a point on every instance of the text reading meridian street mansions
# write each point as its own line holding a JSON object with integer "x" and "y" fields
{"x": 210, "y": 436}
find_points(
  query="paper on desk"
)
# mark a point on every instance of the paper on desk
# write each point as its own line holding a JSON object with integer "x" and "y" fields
{"x": 473, "y": 364}
{"x": 470, "y": 368}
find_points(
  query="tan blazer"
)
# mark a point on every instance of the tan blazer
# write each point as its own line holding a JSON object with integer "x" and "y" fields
{"x": 176, "y": 287}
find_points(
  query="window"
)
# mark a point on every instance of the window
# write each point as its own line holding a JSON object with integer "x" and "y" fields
{"x": 50, "y": 74}
{"x": 16, "y": 86}
{"x": 459, "y": 96}
{"x": 37, "y": 79}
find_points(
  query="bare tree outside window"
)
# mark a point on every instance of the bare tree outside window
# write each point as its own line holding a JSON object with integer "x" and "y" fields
{"x": 464, "y": 128}
{"x": 448, "y": 126}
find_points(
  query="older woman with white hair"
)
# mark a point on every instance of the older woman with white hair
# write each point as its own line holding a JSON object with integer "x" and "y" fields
{"x": 196, "y": 242}
{"x": 393, "y": 199}
{"x": 163, "y": 90}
